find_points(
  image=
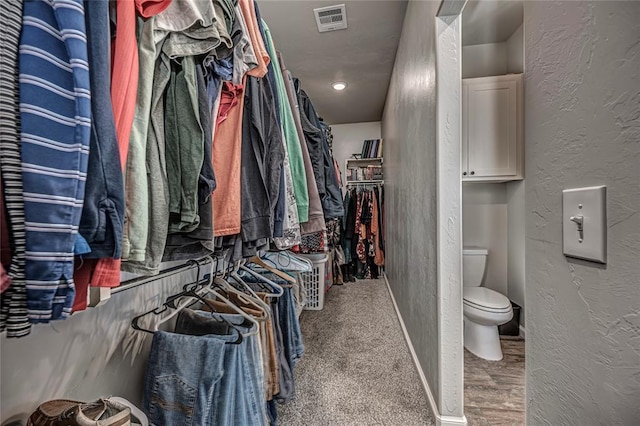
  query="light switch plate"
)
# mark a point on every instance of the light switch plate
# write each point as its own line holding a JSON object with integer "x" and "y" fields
{"x": 587, "y": 206}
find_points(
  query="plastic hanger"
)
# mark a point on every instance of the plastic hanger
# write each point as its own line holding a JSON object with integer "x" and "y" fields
{"x": 187, "y": 291}
{"x": 301, "y": 259}
{"x": 249, "y": 291}
{"x": 193, "y": 296}
{"x": 288, "y": 261}
{"x": 248, "y": 318}
{"x": 283, "y": 275}
{"x": 249, "y": 299}
{"x": 279, "y": 291}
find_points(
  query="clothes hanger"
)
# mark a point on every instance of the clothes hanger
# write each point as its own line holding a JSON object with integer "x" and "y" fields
{"x": 279, "y": 291}
{"x": 252, "y": 298}
{"x": 249, "y": 320}
{"x": 168, "y": 304}
{"x": 190, "y": 291}
{"x": 288, "y": 261}
{"x": 300, "y": 259}
{"x": 192, "y": 297}
{"x": 258, "y": 261}
{"x": 218, "y": 281}
{"x": 249, "y": 292}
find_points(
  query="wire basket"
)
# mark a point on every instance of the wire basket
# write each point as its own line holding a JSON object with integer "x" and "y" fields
{"x": 314, "y": 282}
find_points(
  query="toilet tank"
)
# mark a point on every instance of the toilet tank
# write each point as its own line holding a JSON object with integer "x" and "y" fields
{"x": 474, "y": 260}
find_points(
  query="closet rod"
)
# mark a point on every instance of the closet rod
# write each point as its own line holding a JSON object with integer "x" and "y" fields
{"x": 365, "y": 182}
{"x": 174, "y": 270}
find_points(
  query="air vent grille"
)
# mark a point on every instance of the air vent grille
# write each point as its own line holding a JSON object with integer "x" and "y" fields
{"x": 331, "y": 18}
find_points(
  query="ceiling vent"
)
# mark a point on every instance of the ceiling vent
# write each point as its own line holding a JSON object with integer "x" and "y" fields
{"x": 331, "y": 18}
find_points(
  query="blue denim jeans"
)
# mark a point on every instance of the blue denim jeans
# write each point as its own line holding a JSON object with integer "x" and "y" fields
{"x": 291, "y": 332}
{"x": 236, "y": 397}
{"x": 182, "y": 376}
{"x": 292, "y": 343}
{"x": 240, "y": 398}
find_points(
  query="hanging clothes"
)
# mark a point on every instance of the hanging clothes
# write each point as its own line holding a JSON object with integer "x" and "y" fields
{"x": 185, "y": 150}
{"x": 56, "y": 129}
{"x": 13, "y": 303}
{"x": 136, "y": 225}
{"x": 5, "y": 246}
{"x": 376, "y": 229}
{"x": 199, "y": 242}
{"x": 363, "y": 237}
{"x": 321, "y": 157}
{"x": 280, "y": 211}
{"x": 262, "y": 153}
{"x": 315, "y": 222}
{"x": 287, "y": 203}
{"x": 242, "y": 378}
{"x": 296, "y": 163}
{"x": 102, "y": 217}
{"x": 227, "y": 154}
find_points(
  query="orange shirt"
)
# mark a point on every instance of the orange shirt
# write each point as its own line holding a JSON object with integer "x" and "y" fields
{"x": 105, "y": 272}
{"x": 250, "y": 18}
{"x": 227, "y": 150}
{"x": 124, "y": 69}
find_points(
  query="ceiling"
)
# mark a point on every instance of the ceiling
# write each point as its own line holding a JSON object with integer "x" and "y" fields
{"x": 362, "y": 55}
{"x": 488, "y": 21}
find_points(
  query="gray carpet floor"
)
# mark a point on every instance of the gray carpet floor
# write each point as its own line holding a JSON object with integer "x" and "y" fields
{"x": 357, "y": 369}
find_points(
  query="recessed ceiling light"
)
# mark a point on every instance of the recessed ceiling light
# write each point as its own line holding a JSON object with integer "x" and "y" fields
{"x": 339, "y": 85}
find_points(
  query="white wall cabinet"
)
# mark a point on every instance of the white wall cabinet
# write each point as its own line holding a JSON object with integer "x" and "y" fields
{"x": 492, "y": 129}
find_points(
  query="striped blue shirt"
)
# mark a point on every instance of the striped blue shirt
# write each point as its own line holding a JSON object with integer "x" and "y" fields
{"x": 55, "y": 109}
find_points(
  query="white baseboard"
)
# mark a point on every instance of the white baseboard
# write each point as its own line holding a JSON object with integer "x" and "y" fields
{"x": 522, "y": 331}
{"x": 440, "y": 419}
{"x": 451, "y": 421}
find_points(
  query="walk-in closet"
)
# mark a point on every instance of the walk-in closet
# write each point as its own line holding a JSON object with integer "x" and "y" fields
{"x": 172, "y": 209}
{"x": 319, "y": 213}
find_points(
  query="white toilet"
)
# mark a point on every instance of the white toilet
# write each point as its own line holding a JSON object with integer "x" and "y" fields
{"x": 484, "y": 309}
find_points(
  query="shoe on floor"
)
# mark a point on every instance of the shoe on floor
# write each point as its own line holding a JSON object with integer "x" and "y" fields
{"x": 63, "y": 412}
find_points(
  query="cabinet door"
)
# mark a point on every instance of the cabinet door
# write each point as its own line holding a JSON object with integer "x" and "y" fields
{"x": 491, "y": 133}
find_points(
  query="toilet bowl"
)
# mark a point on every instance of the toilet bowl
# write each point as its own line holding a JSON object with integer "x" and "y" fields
{"x": 484, "y": 309}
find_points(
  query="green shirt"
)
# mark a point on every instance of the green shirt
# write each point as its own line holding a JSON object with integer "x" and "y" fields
{"x": 294, "y": 149}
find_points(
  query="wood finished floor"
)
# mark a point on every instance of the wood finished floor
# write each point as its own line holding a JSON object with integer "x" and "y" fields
{"x": 494, "y": 390}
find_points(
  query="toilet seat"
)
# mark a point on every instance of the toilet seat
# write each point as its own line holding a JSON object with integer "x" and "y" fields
{"x": 485, "y": 299}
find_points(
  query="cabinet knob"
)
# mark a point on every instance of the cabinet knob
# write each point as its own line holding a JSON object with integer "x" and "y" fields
{"x": 473, "y": 173}
{"x": 464, "y": 173}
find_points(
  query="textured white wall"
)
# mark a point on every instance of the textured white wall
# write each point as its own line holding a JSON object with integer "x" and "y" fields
{"x": 483, "y": 60}
{"x": 422, "y": 142}
{"x": 82, "y": 358}
{"x": 516, "y": 253}
{"x": 582, "y": 128}
{"x": 409, "y": 132}
{"x": 449, "y": 217}
{"x": 485, "y": 224}
{"x": 515, "y": 51}
{"x": 348, "y": 139}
